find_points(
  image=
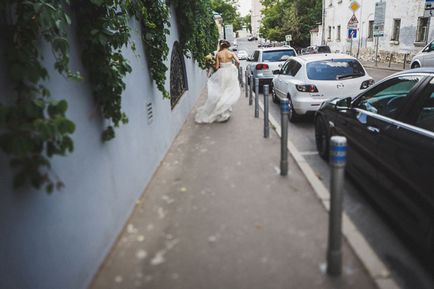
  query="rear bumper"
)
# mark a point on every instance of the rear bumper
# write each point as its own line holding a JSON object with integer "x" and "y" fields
{"x": 305, "y": 105}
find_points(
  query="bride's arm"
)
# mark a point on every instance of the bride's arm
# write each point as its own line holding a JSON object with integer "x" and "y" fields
{"x": 217, "y": 62}
{"x": 237, "y": 61}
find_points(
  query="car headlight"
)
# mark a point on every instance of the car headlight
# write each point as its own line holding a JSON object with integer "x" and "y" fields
{"x": 367, "y": 83}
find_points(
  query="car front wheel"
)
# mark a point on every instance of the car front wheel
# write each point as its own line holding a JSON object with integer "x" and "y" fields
{"x": 415, "y": 65}
{"x": 322, "y": 138}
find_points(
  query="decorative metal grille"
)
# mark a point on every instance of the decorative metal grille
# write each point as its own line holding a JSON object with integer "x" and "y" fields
{"x": 178, "y": 75}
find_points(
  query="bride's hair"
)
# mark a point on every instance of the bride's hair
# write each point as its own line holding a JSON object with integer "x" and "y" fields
{"x": 224, "y": 44}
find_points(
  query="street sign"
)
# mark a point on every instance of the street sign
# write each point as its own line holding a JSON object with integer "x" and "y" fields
{"x": 288, "y": 38}
{"x": 380, "y": 15}
{"x": 429, "y": 8}
{"x": 354, "y": 6}
{"x": 353, "y": 22}
{"x": 352, "y": 33}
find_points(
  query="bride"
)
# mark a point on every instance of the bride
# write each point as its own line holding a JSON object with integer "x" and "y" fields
{"x": 223, "y": 88}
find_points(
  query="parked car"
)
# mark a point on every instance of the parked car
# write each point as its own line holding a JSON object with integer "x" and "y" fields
{"x": 390, "y": 133}
{"x": 263, "y": 61}
{"x": 242, "y": 55}
{"x": 425, "y": 57}
{"x": 309, "y": 80}
{"x": 316, "y": 49}
{"x": 252, "y": 38}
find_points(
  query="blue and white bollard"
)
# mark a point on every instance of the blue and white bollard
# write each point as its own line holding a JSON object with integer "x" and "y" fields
{"x": 266, "y": 111}
{"x": 338, "y": 160}
{"x": 284, "y": 111}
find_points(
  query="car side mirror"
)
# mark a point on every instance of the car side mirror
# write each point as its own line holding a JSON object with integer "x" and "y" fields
{"x": 344, "y": 104}
{"x": 277, "y": 71}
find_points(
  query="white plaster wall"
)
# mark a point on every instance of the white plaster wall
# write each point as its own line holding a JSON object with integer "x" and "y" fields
{"x": 59, "y": 240}
{"x": 407, "y": 11}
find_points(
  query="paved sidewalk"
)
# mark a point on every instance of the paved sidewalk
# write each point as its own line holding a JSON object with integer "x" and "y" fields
{"x": 217, "y": 215}
{"x": 385, "y": 66}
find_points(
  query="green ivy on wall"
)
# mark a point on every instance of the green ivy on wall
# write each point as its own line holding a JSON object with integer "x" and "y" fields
{"x": 33, "y": 124}
{"x": 103, "y": 31}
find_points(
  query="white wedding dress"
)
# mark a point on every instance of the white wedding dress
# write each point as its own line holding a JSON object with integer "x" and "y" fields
{"x": 223, "y": 91}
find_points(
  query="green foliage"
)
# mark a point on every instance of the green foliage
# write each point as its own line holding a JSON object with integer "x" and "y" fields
{"x": 154, "y": 16}
{"x": 103, "y": 31}
{"x": 247, "y": 21}
{"x": 228, "y": 10}
{"x": 33, "y": 125}
{"x": 295, "y": 17}
{"x": 198, "y": 32}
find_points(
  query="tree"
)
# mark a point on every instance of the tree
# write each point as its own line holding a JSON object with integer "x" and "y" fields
{"x": 295, "y": 17}
{"x": 228, "y": 10}
{"x": 247, "y": 21}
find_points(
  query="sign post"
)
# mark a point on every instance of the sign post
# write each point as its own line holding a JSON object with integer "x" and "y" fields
{"x": 379, "y": 18}
{"x": 352, "y": 30}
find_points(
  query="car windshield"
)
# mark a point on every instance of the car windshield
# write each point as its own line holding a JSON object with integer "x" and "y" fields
{"x": 277, "y": 55}
{"x": 334, "y": 69}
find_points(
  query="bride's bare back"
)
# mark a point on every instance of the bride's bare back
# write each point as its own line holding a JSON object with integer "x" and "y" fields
{"x": 225, "y": 56}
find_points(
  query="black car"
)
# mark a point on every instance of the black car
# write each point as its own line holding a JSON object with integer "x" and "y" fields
{"x": 390, "y": 134}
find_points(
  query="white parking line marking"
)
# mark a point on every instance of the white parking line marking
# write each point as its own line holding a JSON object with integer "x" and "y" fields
{"x": 308, "y": 153}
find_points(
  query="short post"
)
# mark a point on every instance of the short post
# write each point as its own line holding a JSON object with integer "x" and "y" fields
{"x": 338, "y": 156}
{"x": 240, "y": 75}
{"x": 405, "y": 60}
{"x": 266, "y": 111}
{"x": 284, "y": 111}
{"x": 251, "y": 90}
{"x": 256, "y": 97}
{"x": 247, "y": 84}
{"x": 390, "y": 59}
{"x": 376, "y": 50}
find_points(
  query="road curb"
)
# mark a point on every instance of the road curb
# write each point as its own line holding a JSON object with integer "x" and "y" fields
{"x": 370, "y": 260}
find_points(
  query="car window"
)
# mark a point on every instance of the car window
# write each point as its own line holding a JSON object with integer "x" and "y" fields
{"x": 430, "y": 47}
{"x": 324, "y": 49}
{"x": 334, "y": 69}
{"x": 277, "y": 55}
{"x": 425, "y": 119}
{"x": 387, "y": 98}
{"x": 256, "y": 56}
{"x": 293, "y": 68}
{"x": 287, "y": 69}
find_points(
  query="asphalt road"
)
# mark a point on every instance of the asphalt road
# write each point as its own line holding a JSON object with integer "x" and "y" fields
{"x": 406, "y": 269}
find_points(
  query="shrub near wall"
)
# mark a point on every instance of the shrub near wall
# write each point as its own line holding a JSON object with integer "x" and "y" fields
{"x": 33, "y": 124}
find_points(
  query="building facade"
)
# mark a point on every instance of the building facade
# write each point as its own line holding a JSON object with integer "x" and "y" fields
{"x": 256, "y": 17}
{"x": 407, "y": 29}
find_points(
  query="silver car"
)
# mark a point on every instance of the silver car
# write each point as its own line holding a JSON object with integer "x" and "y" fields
{"x": 264, "y": 61}
{"x": 425, "y": 58}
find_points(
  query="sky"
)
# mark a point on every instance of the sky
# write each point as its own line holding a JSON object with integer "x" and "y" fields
{"x": 245, "y": 6}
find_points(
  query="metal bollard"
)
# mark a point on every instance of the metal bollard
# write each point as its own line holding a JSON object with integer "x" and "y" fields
{"x": 256, "y": 97}
{"x": 284, "y": 111}
{"x": 251, "y": 90}
{"x": 266, "y": 111}
{"x": 338, "y": 156}
{"x": 240, "y": 76}
{"x": 247, "y": 84}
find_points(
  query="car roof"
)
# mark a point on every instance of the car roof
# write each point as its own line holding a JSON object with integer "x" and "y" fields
{"x": 425, "y": 70}
{"x": 321, "y": 56}
{"x": 276, "y": 48}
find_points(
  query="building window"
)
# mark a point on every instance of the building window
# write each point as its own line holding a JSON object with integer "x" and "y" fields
{"x": 338, "y": 36}
{"x": 396, "y": 29}
{"x": 330, "y": 33}
{"x": 422, "y": 29}
{"x": 178, "y": 75}
{"x": 371, "y": 30}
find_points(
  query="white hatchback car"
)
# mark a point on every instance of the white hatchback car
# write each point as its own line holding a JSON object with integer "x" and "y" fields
{"x": 309, "y": 80}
